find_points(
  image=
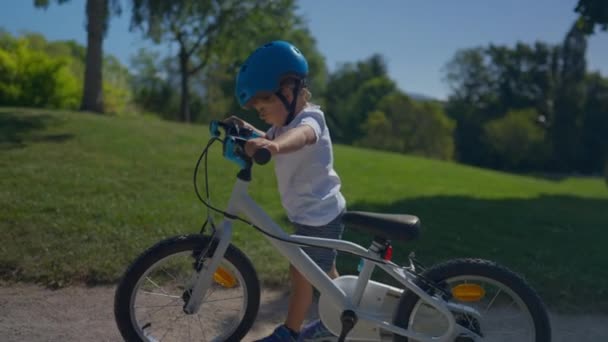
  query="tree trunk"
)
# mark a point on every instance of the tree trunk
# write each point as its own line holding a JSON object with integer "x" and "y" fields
{"x": 606, "y": 169}
{"x": 92, "y": 98}
{"x": 184, "y": 108}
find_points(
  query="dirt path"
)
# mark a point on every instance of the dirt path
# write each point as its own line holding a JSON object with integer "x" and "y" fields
{"x": 34, "y": 314}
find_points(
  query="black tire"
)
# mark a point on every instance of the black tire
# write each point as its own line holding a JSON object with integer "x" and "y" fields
{"x": 441, "y": 273}
{"x": 124, "y": 296}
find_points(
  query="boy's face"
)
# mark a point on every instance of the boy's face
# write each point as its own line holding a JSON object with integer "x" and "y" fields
{"x": 270, "y": 109}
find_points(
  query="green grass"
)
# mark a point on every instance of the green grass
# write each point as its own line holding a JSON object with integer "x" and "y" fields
{"x": 82, "y": 195}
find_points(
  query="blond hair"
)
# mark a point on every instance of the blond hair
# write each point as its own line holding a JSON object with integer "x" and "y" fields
{"x": 304, "y": 94}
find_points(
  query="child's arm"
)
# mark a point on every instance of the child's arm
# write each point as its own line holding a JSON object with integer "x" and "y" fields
{"x": 295, "y": 139}
{"x": 292, "y": 140}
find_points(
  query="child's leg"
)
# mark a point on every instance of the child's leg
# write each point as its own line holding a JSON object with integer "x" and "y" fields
{"x": 301, "y": 290}
{"x": 333, "y": 273}
{"x": 301, "y": 297}
{"x": 299, "y": 301}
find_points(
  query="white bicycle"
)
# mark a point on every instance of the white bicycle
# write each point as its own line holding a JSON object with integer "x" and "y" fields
{"x": 201, "y": 287}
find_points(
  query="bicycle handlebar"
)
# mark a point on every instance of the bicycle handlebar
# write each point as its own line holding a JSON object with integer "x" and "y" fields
{"x": 262, "y": 156}
{"x": 234, "y": 143}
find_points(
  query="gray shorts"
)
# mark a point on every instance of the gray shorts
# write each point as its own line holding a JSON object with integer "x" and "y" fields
{"x": 323, "y": 257}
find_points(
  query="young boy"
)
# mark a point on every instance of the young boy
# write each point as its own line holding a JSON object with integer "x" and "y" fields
{"x": 272, "y": 81}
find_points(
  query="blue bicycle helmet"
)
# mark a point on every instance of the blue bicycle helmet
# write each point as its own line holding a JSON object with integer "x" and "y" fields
{"x": 266, "y": 67}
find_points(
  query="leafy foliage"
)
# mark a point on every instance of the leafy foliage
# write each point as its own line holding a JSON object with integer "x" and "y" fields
{"x": 30, "y": 77}
{"x": 352, "y": 92}
{"x": 200, "y": 28}
{"x": 37, "y": 73}
{"x": 491, "y": 84}
{"x": 517, "y": 140}
{"x": 98, "y": 13}
{"x": 592, "y": 13}
{"x": 403, "y": 125}
{"x": 538, "y": 94}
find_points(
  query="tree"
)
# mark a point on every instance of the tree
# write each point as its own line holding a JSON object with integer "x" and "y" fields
{"x": 473, "y": 94}
{"x": 98, "y": 13}
{"x": 592, "y": 13}
{"x": 352, "y": 92}
{"x": 153, "y": 84}
{"x": 196, "y": 26}
{"x": 401, "y": 124}
{"x": 595, "y": 124}
{"x": 517, "y": 140}
{"x": 566, "y": 124}
{"x": 218, "y": 80}
{"x": 117, "y": 86}
{"x": 490, "y": 83}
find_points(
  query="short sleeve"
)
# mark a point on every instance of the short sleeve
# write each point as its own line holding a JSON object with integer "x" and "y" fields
{"x": 315, "y": 121}
{"x": 270, "y": 133}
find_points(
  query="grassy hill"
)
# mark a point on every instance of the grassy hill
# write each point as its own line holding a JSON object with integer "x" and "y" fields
{"x": 82, "y": 195}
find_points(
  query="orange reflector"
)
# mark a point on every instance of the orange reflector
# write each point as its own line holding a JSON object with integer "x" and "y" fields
{"x": 224, "y": 278}
{"x": 468, "y": 292}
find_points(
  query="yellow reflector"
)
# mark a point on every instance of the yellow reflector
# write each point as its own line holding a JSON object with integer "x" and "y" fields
{"x": 468, "y": 292}
{"x": 224, "y": 278}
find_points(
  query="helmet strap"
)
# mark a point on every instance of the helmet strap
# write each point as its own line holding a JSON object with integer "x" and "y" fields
{"x": 291, "y": 107}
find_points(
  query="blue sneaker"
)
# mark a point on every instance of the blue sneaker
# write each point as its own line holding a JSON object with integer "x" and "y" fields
{"x": 280, "y": 334}
{"x": 316, "y": 331}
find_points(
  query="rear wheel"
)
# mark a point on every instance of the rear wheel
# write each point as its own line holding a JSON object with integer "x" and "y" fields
{"x": 149, "y": 300}
{"x": 510, "y": 310}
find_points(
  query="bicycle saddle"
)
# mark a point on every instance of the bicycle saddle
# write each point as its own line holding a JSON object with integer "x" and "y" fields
{"x": 388, "y": 226}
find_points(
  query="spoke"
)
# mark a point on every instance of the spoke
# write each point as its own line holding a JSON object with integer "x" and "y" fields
{"x": 155, "y": 306}
{"x": 492, "y": 301}
{"x": 161, "y": 294}
{"x": 177, "y": 318}
{"x": 210, "y": 291}
{"x": 233, "y": 310}
{"x": 156, "y": 285}
{"x": 220, "y": 299}
{"x": 170, "y": 275}
{"x": 189, "y": 334}
{"x": 512, "y": 302}
{"x": 503, "y": 318}
{"x": 506, "y": 332}
{"x": 162, "y": 307}
{"x": 201, "y": 324}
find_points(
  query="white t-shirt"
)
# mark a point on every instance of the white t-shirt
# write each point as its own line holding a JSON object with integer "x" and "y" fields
{"x": 308, "y": 185}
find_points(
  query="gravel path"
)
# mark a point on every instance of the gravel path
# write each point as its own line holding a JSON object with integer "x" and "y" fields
{"x": 34, "y": 314}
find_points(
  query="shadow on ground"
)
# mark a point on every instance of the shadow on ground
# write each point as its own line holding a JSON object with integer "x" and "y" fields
{"x": 18, "y": 129}
{"x": 557, "y": 242}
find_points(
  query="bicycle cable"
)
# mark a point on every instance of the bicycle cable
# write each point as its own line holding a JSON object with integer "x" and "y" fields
{"x": 235, "y": 217}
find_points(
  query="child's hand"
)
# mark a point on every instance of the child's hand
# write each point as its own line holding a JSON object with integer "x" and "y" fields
{"x": 253, "y": 145}
{"x": 235, "y": 120}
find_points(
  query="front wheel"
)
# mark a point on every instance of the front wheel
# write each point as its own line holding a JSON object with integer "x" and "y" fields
{"x": 509, "y": 309}
{"x": 149, "y": 300}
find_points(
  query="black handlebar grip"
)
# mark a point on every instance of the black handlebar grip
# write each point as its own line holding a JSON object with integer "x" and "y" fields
{"x": 262, "y": 156}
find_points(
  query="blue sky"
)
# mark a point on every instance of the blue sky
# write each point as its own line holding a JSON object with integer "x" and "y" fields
{"x": 416, "y": 37}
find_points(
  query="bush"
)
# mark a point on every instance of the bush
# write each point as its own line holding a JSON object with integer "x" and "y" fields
{"x": 517, "y": 141}
{"x": 32, "y": 78}
{"x": 403, "y": 125}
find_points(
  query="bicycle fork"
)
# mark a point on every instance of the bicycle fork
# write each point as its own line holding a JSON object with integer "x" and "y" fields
{"x": 201, "y": 279}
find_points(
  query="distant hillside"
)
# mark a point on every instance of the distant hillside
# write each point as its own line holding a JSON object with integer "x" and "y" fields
{"x": 421, "y": 97}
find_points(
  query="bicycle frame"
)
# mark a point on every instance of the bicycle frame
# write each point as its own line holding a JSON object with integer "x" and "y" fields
{"x": 241, "y": 202}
